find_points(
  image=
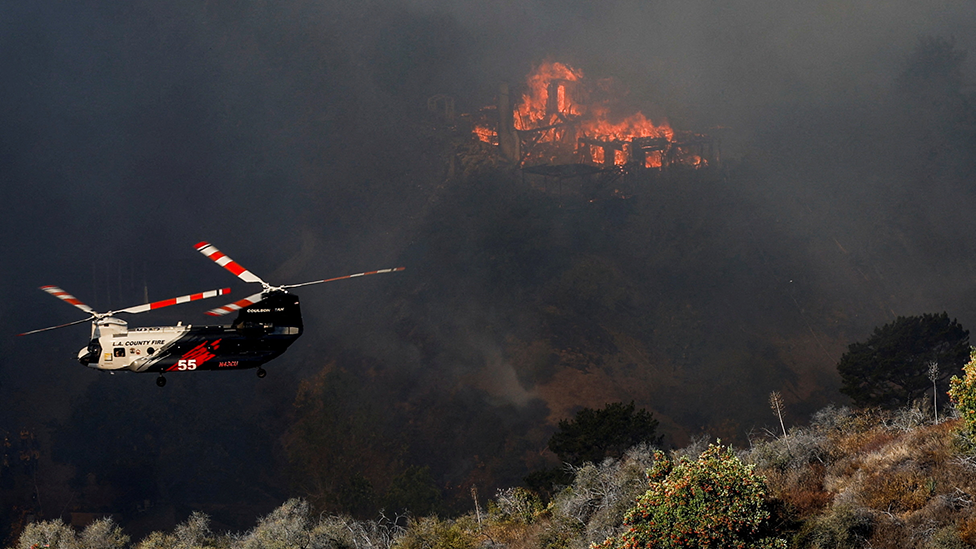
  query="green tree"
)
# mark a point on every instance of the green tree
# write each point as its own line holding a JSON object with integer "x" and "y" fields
{"x": 594, "y": 435}
{"x": 414, "y": 491}
{"x": 341, "y": 457}
{"x": 714, "y": 501}
{"x": 891, "y": 368}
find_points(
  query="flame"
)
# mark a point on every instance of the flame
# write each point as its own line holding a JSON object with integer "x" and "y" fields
{"x": 535, "y": 109}
{"x": 596, "y": 153}
{"x": 619, "y": 158}
{"x": 538, "y": 110}
{"x": 564, "y": 122}
{"x": 635, "y": 125}
{"x": 486, "y": 134}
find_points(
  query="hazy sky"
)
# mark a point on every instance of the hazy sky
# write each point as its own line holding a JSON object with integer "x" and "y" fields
{"x": 131, "y": 131}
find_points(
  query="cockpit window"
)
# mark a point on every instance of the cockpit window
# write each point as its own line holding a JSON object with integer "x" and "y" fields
{"x": 119, "y": 351}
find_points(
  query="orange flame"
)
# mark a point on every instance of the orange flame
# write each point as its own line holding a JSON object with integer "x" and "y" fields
{"x": 635, "y": 125}
{"x": 486, "y": 134}
{"x": 539, "y": 110}
{"x": 536, "y": 109}
{"x": 556, "y": 107}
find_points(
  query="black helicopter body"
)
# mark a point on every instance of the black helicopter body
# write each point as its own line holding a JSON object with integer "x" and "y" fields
{"x": 260, "y": 333}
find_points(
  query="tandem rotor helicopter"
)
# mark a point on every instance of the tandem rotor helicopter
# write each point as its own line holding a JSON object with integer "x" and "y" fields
{"x": 266, "y": 324}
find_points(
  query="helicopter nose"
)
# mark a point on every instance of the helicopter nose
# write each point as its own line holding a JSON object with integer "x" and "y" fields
{"x": 84, "y": 355}
{"x": 89, "y": 354}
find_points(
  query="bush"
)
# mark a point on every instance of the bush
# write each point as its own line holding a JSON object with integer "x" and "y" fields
{"x": 845, "y": 526}
{"x": 593, "y": 506}
{"x": 47, "y": 533}
{"x": 335, "y": 532}
{"x": 434, "y": 533}
{"x": 101, "y": 534}
{"x": 193, "y": 534}
{"x": 946, "y": 538}
{"x": 801, "y": 447}
{"x": 714, "y": 501}
{"x": 285, "y": 528}
{"x": 517, "y": 505}
{"x": 962, "y": 391}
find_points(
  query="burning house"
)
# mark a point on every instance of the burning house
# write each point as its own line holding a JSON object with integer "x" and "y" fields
{"x": 562, "y": 126}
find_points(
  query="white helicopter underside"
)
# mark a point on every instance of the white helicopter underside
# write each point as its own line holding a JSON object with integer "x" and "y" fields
{"x": 136, "y": 349}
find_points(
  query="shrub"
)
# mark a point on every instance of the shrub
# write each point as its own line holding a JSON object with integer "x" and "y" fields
{"x": 342, "y": 532}
{"x": 845, "y": 526}
{"x": 714, "y": 501}
{"x": 962, "y": 391}
{"x": 562, "y": 533}
{"x": 946, "y": 538}
{"x": 593, "y": 506}
{"x": 101, "y": 534}
{"x": 793, "y": 451}
{"x": 47, "y": 533}
{"x": 193, "y": 534}
{"x": 434, "y": 533}
{"x": 517, "y": 505}
{"x": 285, "y": 528}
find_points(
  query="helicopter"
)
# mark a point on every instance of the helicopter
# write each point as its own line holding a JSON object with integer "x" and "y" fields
{"x": 266, "y": 324}
{"x": 114, "y": 346}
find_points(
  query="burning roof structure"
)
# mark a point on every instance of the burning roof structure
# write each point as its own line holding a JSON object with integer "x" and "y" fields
{"x": 563, "y": 123}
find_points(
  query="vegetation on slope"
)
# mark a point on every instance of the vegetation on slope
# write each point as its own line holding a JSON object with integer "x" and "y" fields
{"x": 853, "y": 478}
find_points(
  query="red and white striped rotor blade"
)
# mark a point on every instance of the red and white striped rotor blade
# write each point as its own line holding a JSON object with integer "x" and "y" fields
{"x": 237, "y": 305}
{"x": 381, "y": 271}
{"x": 219, "y": 258}
{"x": 174, "y": 301}
{"x": 65, "y": 296}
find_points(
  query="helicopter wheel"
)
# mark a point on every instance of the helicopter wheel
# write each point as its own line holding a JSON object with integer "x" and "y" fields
{"x": 160, "y": 381}
{"x": 262, "y": 373}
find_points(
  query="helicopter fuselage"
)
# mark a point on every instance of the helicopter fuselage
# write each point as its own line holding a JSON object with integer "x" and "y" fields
{"x": 260, "y": 333}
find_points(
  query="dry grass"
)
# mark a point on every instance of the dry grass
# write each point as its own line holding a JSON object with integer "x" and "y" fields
{"x": 907, "y": 487}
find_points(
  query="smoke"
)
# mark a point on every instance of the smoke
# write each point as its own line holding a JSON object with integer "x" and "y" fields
{"x": 292, "y": 135}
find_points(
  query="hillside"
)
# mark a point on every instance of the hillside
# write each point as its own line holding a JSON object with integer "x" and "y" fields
{"x": 850, "y": 479}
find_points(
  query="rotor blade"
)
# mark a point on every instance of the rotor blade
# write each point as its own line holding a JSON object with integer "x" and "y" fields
{"x": 230, "y": 308}
{"x": 56, "y": 327}
{"x": 396, "y": 269}
{"x": 219, "y": 258}
{"x": 174, "y": 301}
{"x": 65, "y": 296}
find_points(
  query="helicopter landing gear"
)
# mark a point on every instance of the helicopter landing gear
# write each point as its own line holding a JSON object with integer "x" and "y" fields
{"x": 160, "y": 381}
{"x": 262, "y": 373}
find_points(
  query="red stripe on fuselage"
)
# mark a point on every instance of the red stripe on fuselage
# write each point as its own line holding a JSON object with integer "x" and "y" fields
{"x": 200, "y": 353}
